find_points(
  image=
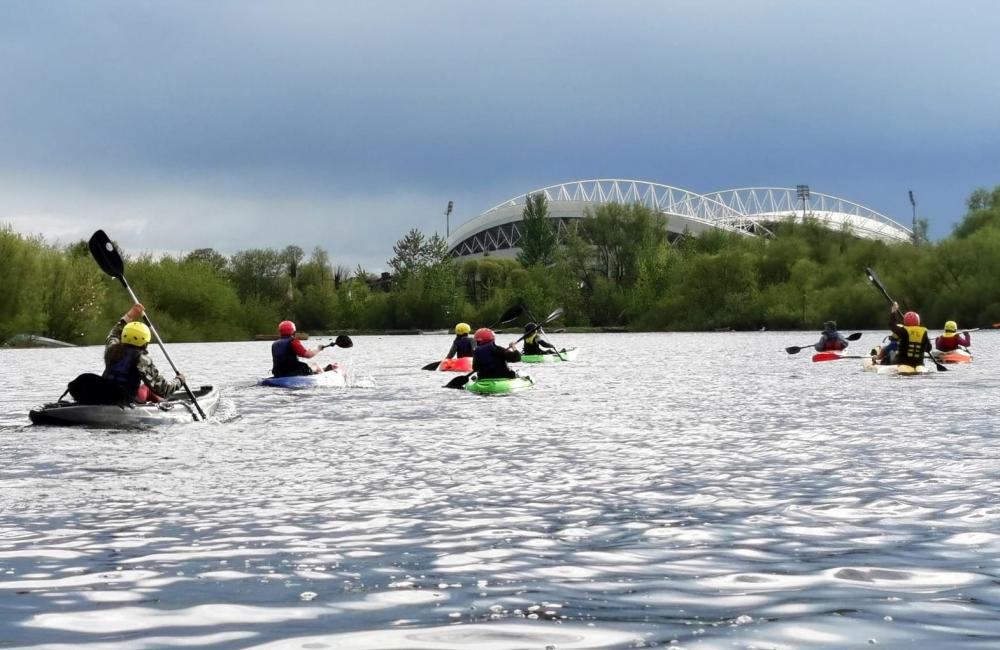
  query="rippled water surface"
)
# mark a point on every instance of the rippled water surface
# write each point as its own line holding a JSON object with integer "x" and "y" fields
{"x": 696, "y": 491}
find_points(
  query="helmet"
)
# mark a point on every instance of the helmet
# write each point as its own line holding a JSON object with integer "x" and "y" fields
{"x": 286, "y": 328}
{"x": 136, "y": 334}
{"x": 911, "y": 318}
{"x": 530, "y": 327}
{"x": 951, "y": 326}
{"x": 830, "y": 325}
{"x": 484, "y": 335}
{"x": 463, "y": 328}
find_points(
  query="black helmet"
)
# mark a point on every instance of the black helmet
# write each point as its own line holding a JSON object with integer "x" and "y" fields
{"x": 530, "y": 327}
{"x": 830, "y": 325}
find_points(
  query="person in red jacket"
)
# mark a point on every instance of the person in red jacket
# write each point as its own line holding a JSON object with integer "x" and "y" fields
{"x": 952, "y": 339}
{"x": 285, "y": 353}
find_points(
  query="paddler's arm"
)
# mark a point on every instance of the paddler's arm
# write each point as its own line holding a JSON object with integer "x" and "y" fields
{"x": 896, "y": 322}
{"x": 302, "y": 351}
{"x": 510, "y": 353}
{"x": 152, "y": 377}
{"x": 453, "y": 350}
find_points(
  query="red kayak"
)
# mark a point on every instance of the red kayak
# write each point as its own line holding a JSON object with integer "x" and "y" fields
{"x": 458, "y": 364}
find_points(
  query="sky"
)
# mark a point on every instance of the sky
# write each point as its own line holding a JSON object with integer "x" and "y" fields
{"x": 247, "y": 123}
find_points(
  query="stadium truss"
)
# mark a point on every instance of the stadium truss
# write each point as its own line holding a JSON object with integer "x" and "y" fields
{"x": 746, "y": 211}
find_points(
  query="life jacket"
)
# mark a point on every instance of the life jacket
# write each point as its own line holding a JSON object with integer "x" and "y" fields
{"x": 913, "y": 352}
{"x": 464, "y": 345}
{"x": 489, "y": 362}
{"x": 284, "y": 361}
{"x": 531, "y": 345}
{"x": 833, "y": 342}
{"x": 124, "y": 373}
{"x": 946, "y": 342}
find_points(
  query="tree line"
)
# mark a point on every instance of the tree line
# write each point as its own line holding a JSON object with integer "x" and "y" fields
{"x": 615, "y": 267}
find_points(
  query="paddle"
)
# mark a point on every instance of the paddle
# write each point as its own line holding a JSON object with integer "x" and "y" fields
{"x": 342, "y": 341}
{"x": 831, "y": 356}
{"x": 106, "y": 255}
{"x": 878, "y": 285}
{"x": 795, "y": 349}
{"x": 462, "y": 380}
{"x": 511, "y": 314}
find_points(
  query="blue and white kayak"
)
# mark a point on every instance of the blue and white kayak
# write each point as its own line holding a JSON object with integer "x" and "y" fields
{"x": 335, "y": 378}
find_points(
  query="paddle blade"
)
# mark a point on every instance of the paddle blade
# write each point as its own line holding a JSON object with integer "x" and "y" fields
{"x": 854, "y": 337}
{"x": 458, "y": 382}
{"x": 553, "y": 316}
{"x": 431, "y": 366}
{"x": 106, "y": 254}
{"x": 826, "y": 356}
{"x": 794, "y": 349}
{"x": 511, "y": 314}
{"x": 878, "y": 284}
{"x": 343, "y": 341}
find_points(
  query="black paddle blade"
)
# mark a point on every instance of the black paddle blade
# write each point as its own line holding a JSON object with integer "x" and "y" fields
{"x": 458, "y": 382}
{"x": 343, "y": 341}
{"x": 106, "y": 254}
{"x": 795, "y": 349}
{"x": 854, "y": 337}
{"x": 511, "y": 314}
{"x": 431, "y": 366}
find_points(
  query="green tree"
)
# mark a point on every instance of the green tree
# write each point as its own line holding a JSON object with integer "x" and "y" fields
{"x": 538, "y": 238}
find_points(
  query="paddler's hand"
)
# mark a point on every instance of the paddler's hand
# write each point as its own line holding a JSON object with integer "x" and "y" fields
{"x": 512, "y": 347}
{"x": 895, "y": 306}
{"x": 135, "y": 313}
{"x": 181, "y": 376}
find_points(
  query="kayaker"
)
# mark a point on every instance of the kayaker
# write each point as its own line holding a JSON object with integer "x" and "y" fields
{"x": 951, "y": 339}
{"x": 914, "y": 342}
{"x": 285, "y": 353}
{"x": 885, "y": 354}
{"x": 463, "y": 345}
{"x": 533, "y": 341}
{"x": 127, "y": 364}
{"x": 830, "y": 340}
{"x": 489, "y": 360}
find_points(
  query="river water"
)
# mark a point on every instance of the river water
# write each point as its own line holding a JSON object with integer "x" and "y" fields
{"x": 682, "y": 490}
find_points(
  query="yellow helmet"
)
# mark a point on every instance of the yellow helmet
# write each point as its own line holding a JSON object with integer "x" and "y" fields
{"x": 463, "y": 328}
{"x": 951, "y": 326}
{"x": 136, "y": 334}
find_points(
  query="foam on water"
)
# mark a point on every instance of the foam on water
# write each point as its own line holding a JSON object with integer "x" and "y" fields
{"x": 739, "y": 498}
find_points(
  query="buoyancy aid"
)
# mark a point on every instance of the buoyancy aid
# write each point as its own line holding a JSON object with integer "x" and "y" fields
{"x": 833, "y": 342}
{"x": 124, "y": 372}
{"x": 912, "y": 352}
{"x": 464, "y": 346}
{"x": 285, "y": 363}
{"x": 490, "y": 362}
{"x": 947, "y": 342}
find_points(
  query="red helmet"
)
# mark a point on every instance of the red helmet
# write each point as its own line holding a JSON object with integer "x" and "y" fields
{"x": 484, "y": 335}
{"x": 286, "y": 328}
{"x": 911, "y": 318}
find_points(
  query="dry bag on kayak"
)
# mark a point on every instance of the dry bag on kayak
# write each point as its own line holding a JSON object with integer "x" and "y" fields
{"x": 89, "y": 388}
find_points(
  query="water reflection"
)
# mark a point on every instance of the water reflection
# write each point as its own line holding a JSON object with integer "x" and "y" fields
{"x": 741, "y": 498}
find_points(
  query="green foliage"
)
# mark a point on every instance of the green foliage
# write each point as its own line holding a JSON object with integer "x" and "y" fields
{"x": 538, "y": 237}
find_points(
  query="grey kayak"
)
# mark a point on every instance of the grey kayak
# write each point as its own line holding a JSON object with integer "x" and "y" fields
{"x": 177, "y": 409}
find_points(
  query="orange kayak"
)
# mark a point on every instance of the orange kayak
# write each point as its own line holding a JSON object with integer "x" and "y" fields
{"x": 458, "y": 364}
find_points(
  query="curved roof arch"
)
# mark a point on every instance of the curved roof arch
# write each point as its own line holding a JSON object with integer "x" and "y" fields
{"x": 742, "y": 210}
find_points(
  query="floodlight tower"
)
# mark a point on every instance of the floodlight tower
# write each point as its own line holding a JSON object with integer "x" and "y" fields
{"x": 803, "y": 193}
{"x": 913, "y": 204}
{"x": 447, "y": 219}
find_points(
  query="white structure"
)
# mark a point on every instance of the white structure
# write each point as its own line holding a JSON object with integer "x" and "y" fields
{"x": 496, "y": 232}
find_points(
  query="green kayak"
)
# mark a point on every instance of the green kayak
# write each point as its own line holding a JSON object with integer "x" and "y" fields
{"x": 568, "y": 354}
{"x": 496, "y": 386}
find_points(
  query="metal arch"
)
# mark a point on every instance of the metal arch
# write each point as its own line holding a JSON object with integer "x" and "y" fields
{"x": 772, "y": 203}
{"x": 656, "y": 196}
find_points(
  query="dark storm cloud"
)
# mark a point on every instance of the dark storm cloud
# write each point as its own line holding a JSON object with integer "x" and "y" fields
{"x": 226, "y": 114}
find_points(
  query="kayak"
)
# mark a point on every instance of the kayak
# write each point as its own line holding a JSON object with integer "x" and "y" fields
{"x": 894, "y": 369}
{"x": 567, "y": 354}
{"x": 335, "y": 378}
{"x": 176, "y": 409}
{"x": 498, "y": 386}
{"x": 458, "y": 364}
{"x": 952, "y": 356}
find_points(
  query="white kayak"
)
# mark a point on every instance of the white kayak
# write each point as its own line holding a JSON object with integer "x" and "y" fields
{"x": 893, "y": 369}
{"x": 952, "y": 356}
{"x": 177, "y": 409}
{"x": 335, "y": 378}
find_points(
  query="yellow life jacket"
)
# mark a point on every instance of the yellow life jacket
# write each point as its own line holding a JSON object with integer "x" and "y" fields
{"x": 531, "y": 339}
{"x": 914, "y": 340}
